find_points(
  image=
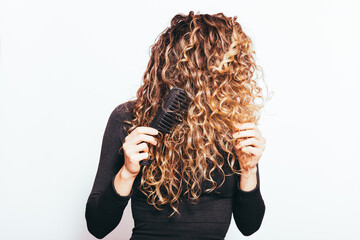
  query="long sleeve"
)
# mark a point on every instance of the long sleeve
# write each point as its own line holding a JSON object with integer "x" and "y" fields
{"x": 104, "y": 207}
{"x": 249, "y": 208}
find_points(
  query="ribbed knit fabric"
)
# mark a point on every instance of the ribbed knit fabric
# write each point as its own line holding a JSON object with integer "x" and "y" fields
{"x": 209, "y": 219}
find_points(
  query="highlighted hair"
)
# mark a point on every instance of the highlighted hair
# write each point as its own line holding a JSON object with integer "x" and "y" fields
{"x": 211, "y": 58}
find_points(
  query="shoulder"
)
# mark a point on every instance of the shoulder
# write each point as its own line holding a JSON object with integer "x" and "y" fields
{"x": 123, "y": 111}
{"x": 120, "y": 118}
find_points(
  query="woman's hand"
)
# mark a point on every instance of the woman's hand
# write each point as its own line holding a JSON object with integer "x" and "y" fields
{"x": 250, "y": 141}
{"x": 136, "y": 149}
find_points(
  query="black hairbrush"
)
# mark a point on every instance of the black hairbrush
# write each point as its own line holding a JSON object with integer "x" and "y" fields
{"x": 171, "y": 113}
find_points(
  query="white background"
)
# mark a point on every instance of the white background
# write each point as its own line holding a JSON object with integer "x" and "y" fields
{"x": 65, "y": 65}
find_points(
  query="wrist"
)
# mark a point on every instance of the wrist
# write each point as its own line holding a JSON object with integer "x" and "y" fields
{"x": 249, "y": 171}
{"x": 123, "y": 182}
{"x": 123, "y": 174}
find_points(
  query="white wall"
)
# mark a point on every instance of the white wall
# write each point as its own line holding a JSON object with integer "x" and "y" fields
{"x": 65, "y": 65}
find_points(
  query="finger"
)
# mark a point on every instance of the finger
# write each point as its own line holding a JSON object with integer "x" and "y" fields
{"x": 144, "y": 138}
{"x": 146, "y": 130}
{"x": 140, "y": 156}
{"x": 252, "y": 150}
{"x": 142, "y": 147}
{"x": 247, "y": 133}
{"x": 247, "y": 125}
{"x": 248, "y": 142}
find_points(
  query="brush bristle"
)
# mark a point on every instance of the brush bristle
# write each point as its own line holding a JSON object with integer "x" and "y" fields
{"x": 175, "y": 107}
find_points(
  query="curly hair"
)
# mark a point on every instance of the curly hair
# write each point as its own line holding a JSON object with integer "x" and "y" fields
{"x": 211, "y": 58}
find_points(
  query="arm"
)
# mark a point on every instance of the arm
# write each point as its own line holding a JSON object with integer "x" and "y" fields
{"x": 105, "y": 205}
{"x": 248, "y": 181}
{"x": 249, "y": 207}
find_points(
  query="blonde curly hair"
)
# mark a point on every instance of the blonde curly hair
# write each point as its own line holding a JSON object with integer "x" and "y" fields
{"x": 211, "y": 58}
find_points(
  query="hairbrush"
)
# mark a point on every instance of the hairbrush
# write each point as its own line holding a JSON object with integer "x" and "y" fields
{"x": 170, "y": 114}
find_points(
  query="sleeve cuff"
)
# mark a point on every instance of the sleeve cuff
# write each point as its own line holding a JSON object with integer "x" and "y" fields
{"x": 111, "y": 202}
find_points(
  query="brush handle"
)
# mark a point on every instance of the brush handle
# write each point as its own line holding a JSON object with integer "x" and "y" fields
{"x": 169, "y": 114}
{"x": 146, "y": 162}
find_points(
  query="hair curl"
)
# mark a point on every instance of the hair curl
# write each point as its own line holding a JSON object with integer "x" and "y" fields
{"x": 211, "y": 58}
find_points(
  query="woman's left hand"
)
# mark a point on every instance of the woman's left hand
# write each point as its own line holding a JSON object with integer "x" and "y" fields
{"x": 253, "y": 144}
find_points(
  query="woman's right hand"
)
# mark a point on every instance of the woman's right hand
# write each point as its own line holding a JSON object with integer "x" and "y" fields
{"x": 136, "y": 148}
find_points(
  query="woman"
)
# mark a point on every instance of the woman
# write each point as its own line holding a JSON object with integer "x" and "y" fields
{"x": 207, "y": 168}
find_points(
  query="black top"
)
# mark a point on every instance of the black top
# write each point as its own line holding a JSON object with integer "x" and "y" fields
{"x": 209, "y": 219}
